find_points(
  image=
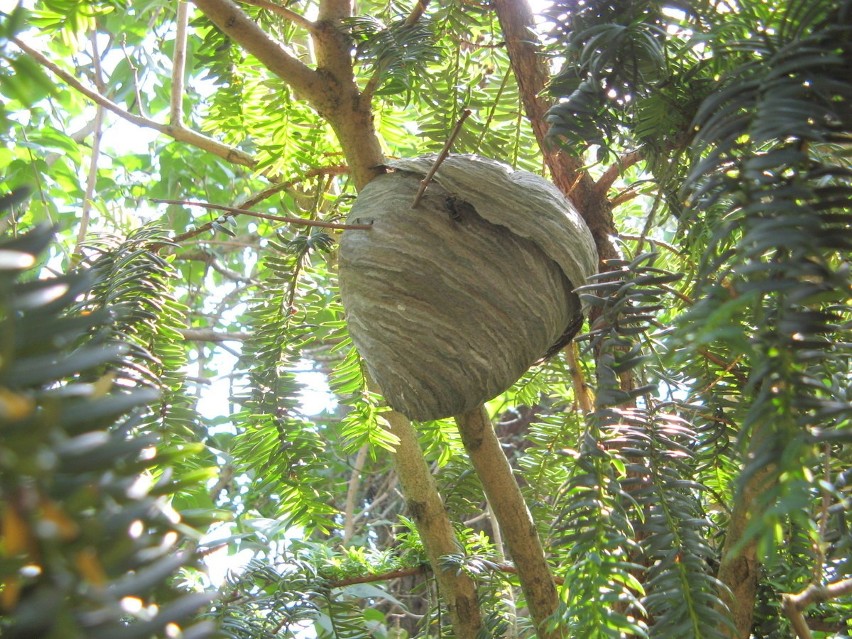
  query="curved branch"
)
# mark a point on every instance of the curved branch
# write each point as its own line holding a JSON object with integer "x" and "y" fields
{"x": 178, "y": 133}
{"x": 237, "y": 25}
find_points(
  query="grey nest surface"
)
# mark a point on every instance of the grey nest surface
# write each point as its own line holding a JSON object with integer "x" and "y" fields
{"x": 451, "y": 302}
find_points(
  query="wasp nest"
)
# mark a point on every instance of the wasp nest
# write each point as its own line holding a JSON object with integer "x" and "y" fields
{"x": 450, "y": 302}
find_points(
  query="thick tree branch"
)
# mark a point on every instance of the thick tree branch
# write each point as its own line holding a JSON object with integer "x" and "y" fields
{"x": 516, "y": 20}
{"x": 510, "y": 509}
{"x": 283, "y": 12}
{"x": 180, "y": 134}
{"x": 739, "y": 567}
{"x": 439, "y": 539}
{"x": 237, "y": 25}
{"x": 416, "y": 12}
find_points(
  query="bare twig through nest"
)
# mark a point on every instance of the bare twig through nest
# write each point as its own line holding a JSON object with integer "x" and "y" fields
{"x": 441, "y": 157}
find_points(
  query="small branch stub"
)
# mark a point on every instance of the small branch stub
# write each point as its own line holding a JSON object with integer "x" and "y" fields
{"x": 441, "y": 157}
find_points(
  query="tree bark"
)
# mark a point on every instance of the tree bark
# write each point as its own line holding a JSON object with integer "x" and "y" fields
{"x": 516, "y": 21}
{"x": 739, "y": 568}
{"x": 424, "y": 504}
{"x": 513, "y": 516}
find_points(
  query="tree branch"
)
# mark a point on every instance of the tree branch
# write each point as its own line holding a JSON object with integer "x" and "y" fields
{"x": 510, "y": 509}
{"x": 439, "y": 538}
{"x": 283, "y": 12}
{"x": 352, "y": 494}
{"x": 180, "y": 134}
{"x": 416, "y": 13}
{"x": 516, "y": 21}
{"x": 611, "y": 174}
{"x": 794, "y": 604}
{"x": 179, "y": 65}
{"x": 237, "y": 25}
{"x": 232, "y": 211}
{"x": 92, "y": 176}
{"x": 209, "y": 335}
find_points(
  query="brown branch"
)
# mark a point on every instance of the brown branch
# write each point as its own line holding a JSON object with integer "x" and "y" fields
{"x": 416, "y": 13}
{"x": 179, "y": 65}
{"x": 352, "y": 494}
{"x": 513, "y": 516}
{"x": 237, "y": 25}
{"x": 283, "y": 12}
{"x": 180, "y": 134}
{"x": 265, "y": 216}
{"x": 611, "y": 174}
{"x": 436, "y": 531}
{"x": 441, "y": 157}
{"x": 366, "y": 579}
{"x": 516, "y": 21}
{"x": 581, "y": 390}
{"x": 794, "y": 604}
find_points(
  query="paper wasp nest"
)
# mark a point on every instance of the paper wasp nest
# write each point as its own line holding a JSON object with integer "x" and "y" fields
{"x": 449, "y": 303}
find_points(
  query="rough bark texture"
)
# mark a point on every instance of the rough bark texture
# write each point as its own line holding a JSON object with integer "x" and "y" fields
{"x": 330, "y": 88}
{"x": 516, "y": 21}
{"x": 439, "y": 539}
{"x": 513, "y": 516}
{"x": 739, "y": 568}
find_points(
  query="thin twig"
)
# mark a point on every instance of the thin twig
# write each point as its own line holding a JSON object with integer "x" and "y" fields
{"x": 233, "y": 210}
{"x": 441, "y": 157}
{"x": 283, "y": 12}
{"x": 140, "y": 104}
{"x": 179, "y": 64}
{"x": 578, "y": 382}
{"x": 180, "y": 134}
{"x": 210, "y": 335}
{"x": 91, "y": 178}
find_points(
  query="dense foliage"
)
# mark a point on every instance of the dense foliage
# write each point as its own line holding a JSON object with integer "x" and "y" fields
{"x": 196, "y": 360}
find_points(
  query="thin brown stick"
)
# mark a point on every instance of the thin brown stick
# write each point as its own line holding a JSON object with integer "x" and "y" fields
{"x": 283, "y": 12}
{"x": 441, "y": 157}
{"x": 578, "y": 382}
{"x": 233, "y": 210}
{"x": 179, "y": 64}
{"x": 181, "y": 134}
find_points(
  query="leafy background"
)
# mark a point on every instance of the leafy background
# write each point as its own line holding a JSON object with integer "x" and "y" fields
{"x": 718, "y": 357}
